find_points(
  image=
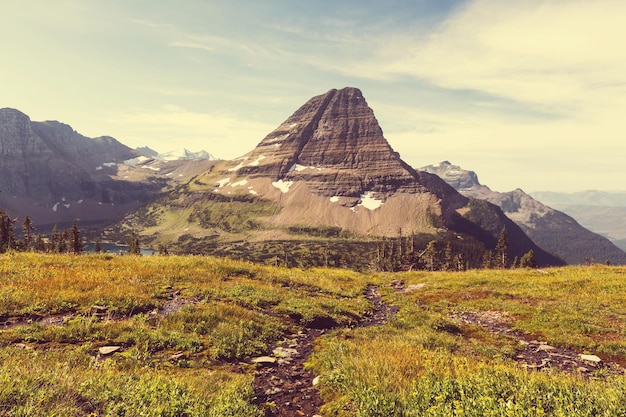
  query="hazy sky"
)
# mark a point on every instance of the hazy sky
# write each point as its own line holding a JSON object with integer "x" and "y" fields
{"x": 529, "y": 94}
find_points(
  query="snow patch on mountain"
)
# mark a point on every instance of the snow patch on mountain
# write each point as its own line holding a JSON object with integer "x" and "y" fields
{"x": 256, "y": 162}
{"x": 173, "y": 155}
{"x": 369, "y": 202}
{"x": 238, "y": 183}
{"x": 283, "y": 186}
{"x": 223, "y": 182}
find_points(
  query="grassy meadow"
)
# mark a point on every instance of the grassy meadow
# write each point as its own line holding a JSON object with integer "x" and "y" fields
{"x": 188, "y": 326}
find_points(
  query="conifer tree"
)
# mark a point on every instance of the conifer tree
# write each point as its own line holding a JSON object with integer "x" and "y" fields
{"x": 459, "y": 264}
{"x": 488, "y": 259}
{"x": 7, "y": 234}
{"x": 27, "y": 229}
{"x": 501, "y": 260}
{"x": 430, "y": 255}
{"x": 528, "y": 260}
{"x": 53, "y": 242}
{"x": 163, "y": 251}
{"x": 62, "y": 244}
{"x": 448, "y": 259}
{"x": 76, "y": 241}
{"x": 40, "y": 244}
{"x": 4, "y": 236}
{"x": 133, "y": 244}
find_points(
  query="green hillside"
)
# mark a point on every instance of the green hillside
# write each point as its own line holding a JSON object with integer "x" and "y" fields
{"x": 106, "y": 335}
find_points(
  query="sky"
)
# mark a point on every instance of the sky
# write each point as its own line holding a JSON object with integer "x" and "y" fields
{"x": 529, "y": 94}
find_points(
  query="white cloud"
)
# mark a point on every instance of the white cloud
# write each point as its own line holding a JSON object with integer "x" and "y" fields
{"x": 554, "y": 54}
{"x": 513, "y": 62}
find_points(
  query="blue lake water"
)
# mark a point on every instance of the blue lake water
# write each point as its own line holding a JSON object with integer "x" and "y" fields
{"x": 116, "y": 249}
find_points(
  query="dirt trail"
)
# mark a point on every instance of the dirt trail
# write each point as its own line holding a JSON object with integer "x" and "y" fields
{"x": 282, "y": 385}
{"x": 284, "y": 388}
{"x": 172, "y": 305}
{"x": 536, "y": 355}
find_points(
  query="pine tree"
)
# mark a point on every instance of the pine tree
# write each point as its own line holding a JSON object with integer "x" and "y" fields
{"x": 488, "y": 259}
{"x": 40, "y": 244}
{"x": 133, "y": 244}
{"x": 10, "y": 238}
{"x": 62, "y": 244}
{"x": 528, "y": 260}
{"x": 430, "y": 255}
{"x": 448, "y": 259}
{"x": 27, "y": 229}
{"x": 501, "y": 260}
{"x": 4, "y": 236}
{"x": 163, "y": 252}
{"x": 53, "y": 242}
{"x": 76, "y": 241}
{"x": 459, "y": 265}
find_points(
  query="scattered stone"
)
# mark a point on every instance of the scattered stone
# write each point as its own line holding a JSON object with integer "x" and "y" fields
{"x": 592, "y": 359}
{"x": 107, "y": 350}
{"x": 414, "y": 287}
{"x": 397, "y": 284}
{"x": 272, "y": 391}
{"x": 264, "y": 360}
{"x": 316, "y": 380}
{"x": 284, "y": 353}
{"x": 22, "y": 346}
{"x": 177, "y": 356}
{"x": 545, "y": 348}
{"x": 582, "y": 369}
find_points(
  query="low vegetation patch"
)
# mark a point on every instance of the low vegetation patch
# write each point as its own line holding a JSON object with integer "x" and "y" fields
{"x": 174, "y": 336}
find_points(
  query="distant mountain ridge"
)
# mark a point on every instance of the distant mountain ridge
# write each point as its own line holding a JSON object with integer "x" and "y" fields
{"x": 328, "y": 166}
{"x": 551, "y": 229}
{"x": 175, "y": 155}
{"x": 54, "y": 174}
{"x": 600, "y": 211}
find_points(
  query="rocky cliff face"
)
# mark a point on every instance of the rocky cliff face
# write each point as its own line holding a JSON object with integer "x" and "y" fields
{"x": 334, "y": 143}
{"x": 54, "y": 174}
{"x": 551, "y": 229}
{"x": 329, "y": 165}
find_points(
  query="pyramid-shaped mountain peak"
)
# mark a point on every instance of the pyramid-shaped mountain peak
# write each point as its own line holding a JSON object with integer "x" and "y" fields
{"x": 335, "y": 143}
{"x": 327, "y": 169}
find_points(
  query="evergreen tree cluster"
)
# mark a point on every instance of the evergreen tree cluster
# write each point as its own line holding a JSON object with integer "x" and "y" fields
{"x": 446, "y": 253}
{"x": 64, "y": 241}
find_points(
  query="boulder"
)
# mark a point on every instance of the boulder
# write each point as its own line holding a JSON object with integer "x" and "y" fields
{"x": 107, "y": 350}
{"x": 264, "y": 360}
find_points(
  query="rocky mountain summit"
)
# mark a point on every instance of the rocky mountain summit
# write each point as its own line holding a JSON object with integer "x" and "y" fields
{"x": 551, "y": 229}
{"x": 326, "y": 169}
{"x": 335, "y": 145}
